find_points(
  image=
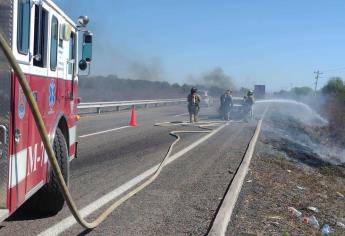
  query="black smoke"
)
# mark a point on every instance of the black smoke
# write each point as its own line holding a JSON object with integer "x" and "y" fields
{"x": 151, "y": 70}
{"x": 215, "y": 78}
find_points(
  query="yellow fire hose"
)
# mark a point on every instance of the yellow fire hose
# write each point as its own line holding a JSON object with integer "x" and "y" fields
{"x": 51, "y": 155}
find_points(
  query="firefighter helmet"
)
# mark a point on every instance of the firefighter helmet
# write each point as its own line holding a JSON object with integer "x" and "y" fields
{"x": 193, "y": 90}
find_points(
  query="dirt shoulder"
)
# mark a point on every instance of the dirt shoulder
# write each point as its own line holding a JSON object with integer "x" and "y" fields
{"x": 276, "y": 182}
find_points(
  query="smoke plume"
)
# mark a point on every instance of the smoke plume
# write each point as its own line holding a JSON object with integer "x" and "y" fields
{"x": 151, "y": 70}
{"x": 214, "y": 78}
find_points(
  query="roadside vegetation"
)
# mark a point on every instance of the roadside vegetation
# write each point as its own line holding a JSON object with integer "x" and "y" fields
{"x": 334, "y": 108}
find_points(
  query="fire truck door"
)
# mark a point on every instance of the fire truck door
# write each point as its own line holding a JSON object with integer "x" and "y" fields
{"x": 41, "y": 87}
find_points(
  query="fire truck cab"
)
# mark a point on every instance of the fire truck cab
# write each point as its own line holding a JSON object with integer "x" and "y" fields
{"x": 44, "y": 42}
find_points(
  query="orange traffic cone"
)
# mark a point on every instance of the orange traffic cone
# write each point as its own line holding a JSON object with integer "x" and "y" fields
{"x": 133, "y": 121}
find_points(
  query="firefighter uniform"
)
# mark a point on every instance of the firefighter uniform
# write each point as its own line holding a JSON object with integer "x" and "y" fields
{"x": 221, "y": 108}
{"x": 193, "y": 105}
{"x": 248, "y": 103}
{"x": 226, "y": 104}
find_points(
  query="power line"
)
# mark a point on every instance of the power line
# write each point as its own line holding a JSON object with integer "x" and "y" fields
{"x": 318, "y": 73}
{"x": 323, "y": 72}
{"x": 335, "y": 69}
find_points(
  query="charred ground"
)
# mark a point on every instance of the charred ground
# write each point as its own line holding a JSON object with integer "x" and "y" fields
{"x": 294, "y": 166}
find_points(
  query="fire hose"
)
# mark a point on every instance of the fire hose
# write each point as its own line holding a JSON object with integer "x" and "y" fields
{"x": 51, "y": 155}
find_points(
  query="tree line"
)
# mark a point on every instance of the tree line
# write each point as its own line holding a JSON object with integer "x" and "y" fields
{"x": 109, "y": 88}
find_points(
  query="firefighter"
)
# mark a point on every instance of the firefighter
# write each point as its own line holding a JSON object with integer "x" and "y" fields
{"x": 193, "y": 105}
{"x": 221, "y": 108}
{"x": 226, "y": 104}
{"x": 248, "y": 102}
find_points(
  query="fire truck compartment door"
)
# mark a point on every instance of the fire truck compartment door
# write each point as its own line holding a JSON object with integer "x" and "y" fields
{"x": 5, "y": 89}
{"x": 5, "y": 95}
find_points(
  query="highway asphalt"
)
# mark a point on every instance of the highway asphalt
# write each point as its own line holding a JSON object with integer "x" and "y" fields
{"x": 182, "y": 201}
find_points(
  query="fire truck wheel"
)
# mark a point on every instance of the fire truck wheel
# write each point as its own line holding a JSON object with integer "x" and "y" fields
{"x": 50, "y": 199}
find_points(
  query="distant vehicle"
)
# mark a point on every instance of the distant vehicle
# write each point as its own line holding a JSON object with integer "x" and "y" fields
{"x": 237, "y": 111}
{"x": 205, "y": 99}
{"x": 259, "y": 91}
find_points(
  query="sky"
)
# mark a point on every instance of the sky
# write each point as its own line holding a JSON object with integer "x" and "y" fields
{"x": 278, "y": 43}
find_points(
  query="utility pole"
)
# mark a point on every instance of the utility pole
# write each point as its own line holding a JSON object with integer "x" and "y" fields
{"x": 318, "y": 73}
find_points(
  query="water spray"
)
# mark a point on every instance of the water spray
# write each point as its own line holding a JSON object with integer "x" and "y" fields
{"x": 290, "y": 101}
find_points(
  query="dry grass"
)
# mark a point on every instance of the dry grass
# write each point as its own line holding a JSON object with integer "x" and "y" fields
{"x": 263, "y": 209}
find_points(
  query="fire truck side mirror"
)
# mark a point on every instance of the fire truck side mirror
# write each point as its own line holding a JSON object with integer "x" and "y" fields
{"x": 82, "y": 64}
{"x": 83, "y": 21}
{"x": 87, "y": 47}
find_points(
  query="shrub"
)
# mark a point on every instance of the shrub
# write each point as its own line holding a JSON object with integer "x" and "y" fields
{"x": 334, "y": 86}
{"x": 301, "y": 91}
{"x": 334, "y": 92}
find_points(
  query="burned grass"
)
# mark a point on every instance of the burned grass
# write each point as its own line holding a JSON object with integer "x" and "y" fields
{"x": 296, "y": 168}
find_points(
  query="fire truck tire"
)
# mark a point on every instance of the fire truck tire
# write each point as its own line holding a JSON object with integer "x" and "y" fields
{"x": 50, "y": 199}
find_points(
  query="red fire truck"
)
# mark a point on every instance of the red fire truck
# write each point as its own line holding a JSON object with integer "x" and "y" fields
{"x": 44, "y": 40}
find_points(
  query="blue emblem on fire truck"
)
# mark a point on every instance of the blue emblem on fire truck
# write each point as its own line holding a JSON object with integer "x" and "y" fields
{"x": 21, "y": 103}
{"x": 52, "y": 94}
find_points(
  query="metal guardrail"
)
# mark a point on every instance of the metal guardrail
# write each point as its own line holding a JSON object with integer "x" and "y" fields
{"x": 119, "y": 104}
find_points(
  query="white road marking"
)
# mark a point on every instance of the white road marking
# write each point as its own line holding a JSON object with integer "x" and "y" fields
{"x": 92, "y": 207}
{"x": 183, "y": 114}
{"x": 102, "y": 132}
